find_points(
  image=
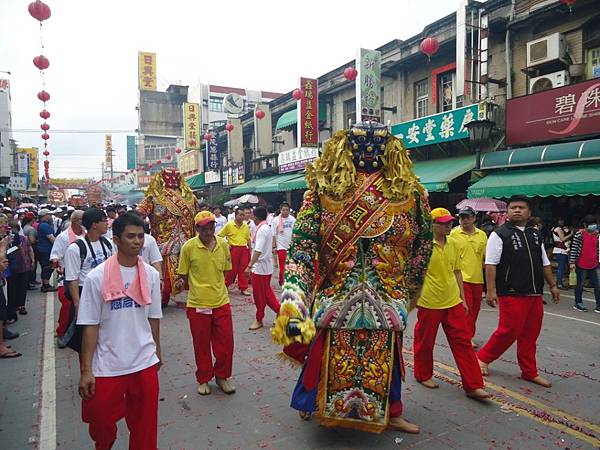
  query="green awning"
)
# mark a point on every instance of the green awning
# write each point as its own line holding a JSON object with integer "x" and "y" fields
{"x": 196, "y": 182}
{"x": 250, "y": 187}
{"x": 437, "y": 173}
{"x": 298, "y": 182}
{"x": 543, "y": 154}
{"x": 540, "y": 182}
{"x": 273, "y": 184}
{"x": 290, "y": 118}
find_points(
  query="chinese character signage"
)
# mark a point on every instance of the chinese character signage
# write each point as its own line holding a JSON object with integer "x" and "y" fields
{"x": 296, "y": 158}
{"x": 233, "y": 175}
{"x": 27, "y": 167}
{"x": 108, "y": 151}
{"x": 131, "y": 152}
{"x": 189, "y": 163}
{"x": 213, "y": 157}
{"x": 191, "y": 126}
{"x": 444, "y": 127}
{"x": 18, "y": 183}
{"x": 212, "y": 177}
{"x": 147, "y": 71}
{"x": 368, "y": 85}
{"x": 572, "y": 110}
{"x": 308, "y": 113}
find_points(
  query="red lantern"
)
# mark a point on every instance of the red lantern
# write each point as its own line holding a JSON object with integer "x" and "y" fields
{"x": 46, "y": 164}
{"x": 297, "y": 94}
{"x": 43, "y": 96}
{"x": 229, "y": 127}
{"x": 569, "y": 3}
{"x": 208, "y": 137}
{"x": 39, "y": 10}
{"x": 260, "y": 114}
{"x": 178, "y": 150}
{"x": 45, "y": 136}
{"x": 350, "y": 73}
{"x": 192, "y": 142}
{"x": 41, "y": 62}
{"x": 159, "y": 162}
{"x": 44, "y": 114}
{"x": 45, "y": 126}
{"x": 430, "y": 46}
{"x": 169, "y": 157}
{"x": 150, "y": 165}
{"x": 46, "y": 153}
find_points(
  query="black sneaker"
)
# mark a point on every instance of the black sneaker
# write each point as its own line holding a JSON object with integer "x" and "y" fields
{"x": 8, "y": 335}
{"x": 579, "y": 307}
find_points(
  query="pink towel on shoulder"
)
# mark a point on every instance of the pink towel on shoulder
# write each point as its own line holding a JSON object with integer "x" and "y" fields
{"x": 72, "y": 236}
{"x": 113, "y": 287}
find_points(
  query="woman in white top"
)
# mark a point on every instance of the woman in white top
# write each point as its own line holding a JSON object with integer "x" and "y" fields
{"x": 562, "y": 236}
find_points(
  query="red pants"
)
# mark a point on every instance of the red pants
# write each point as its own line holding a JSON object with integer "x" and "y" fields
{"x": 473, "y": 296}
{"x": 281, "y": 254}
{"x": 133, "y": 396}
{"x": 455, "y": 324}
{"x": 240, "y": 257}
{"x": 263, "y": 295}
{"x": 212, "y": 331}
{"x": 64, "y": 314}
{"x": 520, "y": 319}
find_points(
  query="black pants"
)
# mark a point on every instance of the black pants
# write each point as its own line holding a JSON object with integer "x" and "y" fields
{"x": 45, "y": 263}
{"x": 2, "y": 305}
{"x": 17, "y": 293}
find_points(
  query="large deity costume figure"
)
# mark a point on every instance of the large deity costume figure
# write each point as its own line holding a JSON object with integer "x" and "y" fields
{"x": 170, "y": 205}
{"x": 359, "y": 253}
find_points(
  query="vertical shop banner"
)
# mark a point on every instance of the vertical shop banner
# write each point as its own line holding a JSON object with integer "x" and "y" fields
{"x": 108, "y": 151}
{"x": 147, "y": 71}
{"x": 368, "y": 85}
{"x": 27, "y": 167}
{"x": 213, "y": 157}
{"x": 131, "y": 152}
{"x": 191, "y": 126}
{"x": 308, "y": 113}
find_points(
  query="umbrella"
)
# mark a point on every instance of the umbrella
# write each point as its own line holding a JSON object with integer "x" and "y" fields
{"x": 483, "y": 204}
{"x": 247, "y": 198}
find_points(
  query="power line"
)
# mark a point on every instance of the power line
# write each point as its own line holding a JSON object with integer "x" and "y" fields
{"x": 36, "y": 130}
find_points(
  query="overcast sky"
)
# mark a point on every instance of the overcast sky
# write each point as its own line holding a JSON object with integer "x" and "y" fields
{"x": 92, "y": 47}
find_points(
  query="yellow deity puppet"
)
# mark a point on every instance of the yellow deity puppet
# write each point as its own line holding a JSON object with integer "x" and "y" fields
{"x": 170, "y": 205}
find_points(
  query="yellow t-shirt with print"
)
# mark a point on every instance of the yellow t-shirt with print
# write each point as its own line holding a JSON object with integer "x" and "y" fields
{"x": 473, "y": 247}
{"x": 205, "y": 271}
{"x": 440, "y": 289}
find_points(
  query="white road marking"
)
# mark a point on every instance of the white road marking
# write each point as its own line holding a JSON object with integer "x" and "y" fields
{"x": 48, "y": 411}
{"x": 553, "y": 314}
{"x": 572, "y": 297}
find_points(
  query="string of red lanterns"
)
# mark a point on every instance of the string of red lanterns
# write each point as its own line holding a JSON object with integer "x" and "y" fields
{"x": 41, "y": 12}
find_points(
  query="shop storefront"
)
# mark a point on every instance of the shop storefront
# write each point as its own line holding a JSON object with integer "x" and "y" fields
{"x": 561, "y": 172}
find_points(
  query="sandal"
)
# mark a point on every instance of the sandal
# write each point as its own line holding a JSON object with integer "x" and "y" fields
{"x": 22, "y": 311}
{"x": 10, "y": 354}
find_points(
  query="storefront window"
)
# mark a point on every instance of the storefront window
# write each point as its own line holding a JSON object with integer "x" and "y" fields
{"x": 446, "y": 95}
{"x": 215, "y": 104}
{"x": 349, "y": 112}
{"x": 421, "y": 91}
{"x": 593, "y": 63}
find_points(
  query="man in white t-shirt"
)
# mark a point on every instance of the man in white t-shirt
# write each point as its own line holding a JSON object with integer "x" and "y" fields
{"x": 57, "y": 256}
{"x": 120, "y": 312}
{"x": 282, "y": 228}
{"x": 94, "y": 246}
{"x": 220, "y": 219}
{"x": 261, "y": 266}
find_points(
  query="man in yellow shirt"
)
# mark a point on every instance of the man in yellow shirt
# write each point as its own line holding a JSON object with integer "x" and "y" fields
{"x": 203, "y": 261}
{"x": 237, "y": 234}
{"x": 442, "y": 301}
{"x": 473, "y": 242}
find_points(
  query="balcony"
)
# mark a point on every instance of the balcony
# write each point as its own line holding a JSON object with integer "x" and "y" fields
{"x": 263, "y": 166}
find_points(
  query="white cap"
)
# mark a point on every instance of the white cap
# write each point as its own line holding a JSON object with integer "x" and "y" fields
{"x": 70, "y": 208}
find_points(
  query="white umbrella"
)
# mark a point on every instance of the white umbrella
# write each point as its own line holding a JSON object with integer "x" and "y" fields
{"x": 247, "y": 198}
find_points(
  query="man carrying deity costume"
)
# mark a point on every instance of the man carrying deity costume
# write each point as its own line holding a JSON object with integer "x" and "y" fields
{"x": 170, "y": 205}
{"x": 365, "y": 224}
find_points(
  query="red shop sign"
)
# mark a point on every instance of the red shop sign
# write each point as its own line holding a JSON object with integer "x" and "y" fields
{"x": 568, "y": 111}
{"x": 308, "y": 123}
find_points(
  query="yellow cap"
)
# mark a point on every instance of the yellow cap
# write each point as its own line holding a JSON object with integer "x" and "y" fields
{"x": 441, "y": 215}
{"x": 204, "y": 218}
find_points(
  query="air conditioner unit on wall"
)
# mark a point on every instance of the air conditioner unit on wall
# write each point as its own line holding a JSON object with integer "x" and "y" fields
{"x": 549, "y": 81}
{"x": 549, "y": 48}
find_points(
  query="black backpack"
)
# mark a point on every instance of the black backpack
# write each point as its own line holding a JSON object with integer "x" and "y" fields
{"x": 82, "y": 255}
